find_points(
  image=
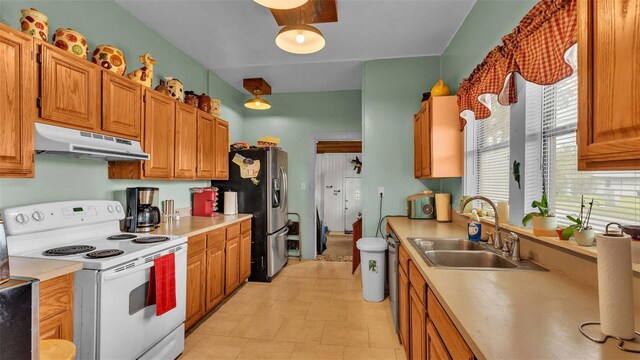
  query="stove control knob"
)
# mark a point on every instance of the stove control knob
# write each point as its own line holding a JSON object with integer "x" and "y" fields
{"x": 22, "y": 219}
{"x": 37, "y": 216}
{"x": 119, "y": 208}
{"x": 110, "y": 208}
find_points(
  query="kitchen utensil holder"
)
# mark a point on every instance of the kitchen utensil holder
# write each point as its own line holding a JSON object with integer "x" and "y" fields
{"x": 621, "y": 341}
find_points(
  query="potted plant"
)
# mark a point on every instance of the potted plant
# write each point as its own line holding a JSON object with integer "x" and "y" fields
{"x": 580, "y": 230}
{"x": 544, "y": 222}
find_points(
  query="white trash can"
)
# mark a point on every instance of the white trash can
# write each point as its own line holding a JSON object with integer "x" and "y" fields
{"x": 372, "y": 264}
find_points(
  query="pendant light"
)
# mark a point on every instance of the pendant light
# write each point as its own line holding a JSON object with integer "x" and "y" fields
{"x": 257, "y": 103}
{"x": 300, "y": 39}
{"x": 281, "y": 4}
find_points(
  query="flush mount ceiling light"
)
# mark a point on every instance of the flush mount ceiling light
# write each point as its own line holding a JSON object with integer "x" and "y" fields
{"x": 257, "y": 87}
{"x": 281, "y": 4}
{"x": 300, "y": 39}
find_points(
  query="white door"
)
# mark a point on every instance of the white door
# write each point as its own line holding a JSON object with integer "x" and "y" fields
{"x": 352, "y": 201}
{"x": 333, "y": 171}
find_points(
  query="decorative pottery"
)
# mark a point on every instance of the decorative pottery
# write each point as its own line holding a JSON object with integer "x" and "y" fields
{"x": 440, "y": 89}
{"x": 216, "y": 107}
{"x": 545, "y": 226}
{"x": 110, "y": 58}
{"x": 559, "y": 231}
{"x": 176, "y": 89}
{"x": 584, "y": 237}
{"x": 144, "y": 75}
{"x": 425, "y": 96}
{"x": 204, "y": 102}
{"x": 34, "y": 23}
{"x": 162, "y": 88}
{"x": 72, "y": 41}
{"x": 190, "y": 98}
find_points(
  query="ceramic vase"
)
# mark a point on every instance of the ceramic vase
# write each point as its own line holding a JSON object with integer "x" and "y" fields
{"x": 584, "y": 237}
{"x": 216, "y": 107}
{"x": 162, "y": 88}
{"x": 204, "y": 102}
{"x": 176, "y": 89}
{"x": 34, "y": 23}
{"x": 545, "y": 225}
{"x": 71, "y": 41}
{"x": 190, "y": 98}
{"x": 110, "y": 58}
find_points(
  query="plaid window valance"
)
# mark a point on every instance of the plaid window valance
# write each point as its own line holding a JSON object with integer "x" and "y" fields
{"x": 537, "y": 49}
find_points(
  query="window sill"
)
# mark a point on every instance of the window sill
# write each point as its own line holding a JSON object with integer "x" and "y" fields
{"x": 570, "y": 245}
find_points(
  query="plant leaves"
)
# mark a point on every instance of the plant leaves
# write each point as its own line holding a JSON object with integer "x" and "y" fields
{"x": 568, "y": 232}
{"x": 527, "y": 218}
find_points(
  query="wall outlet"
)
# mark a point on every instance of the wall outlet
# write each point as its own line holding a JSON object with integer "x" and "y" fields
{"x": 303, "y": 185}
{"x": 381, "y": 190}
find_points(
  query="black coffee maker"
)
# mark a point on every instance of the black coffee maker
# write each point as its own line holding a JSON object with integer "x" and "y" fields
{"x": 142, "y": 215}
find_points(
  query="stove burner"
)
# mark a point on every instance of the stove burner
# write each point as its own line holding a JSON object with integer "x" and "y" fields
{"x": 122, "y": 237}
{"x": 68, "y": 250}
{"x": 151, "y": 239}
{"x": 104, "y": 253}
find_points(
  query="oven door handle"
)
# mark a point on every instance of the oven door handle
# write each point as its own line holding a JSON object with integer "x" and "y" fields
{"x": 128, "y": 271}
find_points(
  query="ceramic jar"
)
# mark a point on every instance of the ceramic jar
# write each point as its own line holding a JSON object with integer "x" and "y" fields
{"x": 71, "y": 41}
{"x": 584, "y": 237}
{"x": 162, "y": 88}
{"x": 190, "y": 98}
{"x": 176, "y": 89}
{"x": 216, "y": 107}
{"x": 110, "y": 58}
{"x": 34, "y": 23}
{"x": 204, "y": 102}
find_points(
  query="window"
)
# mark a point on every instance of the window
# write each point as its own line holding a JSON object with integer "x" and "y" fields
{"x": 492, "y": 154}
{"x": 616, "y": 192}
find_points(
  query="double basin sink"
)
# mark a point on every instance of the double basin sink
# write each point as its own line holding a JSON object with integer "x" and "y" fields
{"x": 462, "y": 254}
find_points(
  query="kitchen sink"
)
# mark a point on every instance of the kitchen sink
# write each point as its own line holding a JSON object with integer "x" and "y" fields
{"x": 469, "y": 259}
{"x": 427, "y": 244}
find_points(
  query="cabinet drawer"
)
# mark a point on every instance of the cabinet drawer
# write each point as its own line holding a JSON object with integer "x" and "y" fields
{"x": 418, "y": 282}
{"x": 215, "y": 238}
{"x": 453, "y": 341}
{"x": 56, "y": 296}
{"x": 245, "y": 226}
{"x": 196, "y": 244}
{"x": 403, "y": 259}
{"x": 233, "y": 231}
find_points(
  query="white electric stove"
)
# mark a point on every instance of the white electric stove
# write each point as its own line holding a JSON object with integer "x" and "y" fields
{"x": 111, "y": 317}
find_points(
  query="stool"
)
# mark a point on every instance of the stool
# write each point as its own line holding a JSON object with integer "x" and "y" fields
{"x": 57, "y": 350}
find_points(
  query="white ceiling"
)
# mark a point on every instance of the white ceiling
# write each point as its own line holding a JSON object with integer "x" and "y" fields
{"x": 235, "y": 38}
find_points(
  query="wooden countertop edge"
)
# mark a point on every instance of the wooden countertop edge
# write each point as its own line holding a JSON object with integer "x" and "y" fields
{"x": 51, "y": 268}
{"x": 163, "y": 230}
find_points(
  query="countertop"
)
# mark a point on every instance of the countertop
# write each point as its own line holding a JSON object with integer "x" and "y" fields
{"x": 41, "y": 269}
{"x": 194, "y": 225}
{"x": 511, "y": 314}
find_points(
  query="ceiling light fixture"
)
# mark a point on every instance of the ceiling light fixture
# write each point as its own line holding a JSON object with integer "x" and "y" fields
{"x": 257, "y": 103}
{"x": 300, "y": 39}
{"x": 281, "y": 4}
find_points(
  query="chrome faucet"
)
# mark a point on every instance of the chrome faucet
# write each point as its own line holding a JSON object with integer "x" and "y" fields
{"x": 497, "y": 242}
{"x": 512, "y": 246}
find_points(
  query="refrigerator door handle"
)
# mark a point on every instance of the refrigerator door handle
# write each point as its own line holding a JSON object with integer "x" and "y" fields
{"x": 285, "y": 187}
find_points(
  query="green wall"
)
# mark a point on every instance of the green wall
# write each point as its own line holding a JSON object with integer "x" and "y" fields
{"x": 101, "y": 22}
{"x": 295, "y": 118}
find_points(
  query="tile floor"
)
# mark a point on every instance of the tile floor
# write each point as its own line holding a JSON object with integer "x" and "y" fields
{"x": 312, "y": 310}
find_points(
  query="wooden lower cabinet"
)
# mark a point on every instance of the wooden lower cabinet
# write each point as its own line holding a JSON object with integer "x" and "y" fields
{"x": 403, "y": 310}
{"x": 453, "y": 342}
{"x": 56, "y": 308}
{"x": 196, "y": 287}
{"x": 436, "y": 350}
{"x": 232, "y": 268}
{"x": 245, "y": 251}
{"x": 418, "y": 314}
{"x": 215, "y": 277}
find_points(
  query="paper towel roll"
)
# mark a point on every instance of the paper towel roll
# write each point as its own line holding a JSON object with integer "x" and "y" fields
{"x": 443, "y": 207}
{"x": 230, "y": 203}
{"x": 615, "y": 288}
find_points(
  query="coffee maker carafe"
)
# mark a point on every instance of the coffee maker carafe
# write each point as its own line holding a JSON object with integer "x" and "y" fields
{"x": 142, "y": 213}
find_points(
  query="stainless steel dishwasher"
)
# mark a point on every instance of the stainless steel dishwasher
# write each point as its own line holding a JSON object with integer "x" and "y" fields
{"x": 393, "y": 243}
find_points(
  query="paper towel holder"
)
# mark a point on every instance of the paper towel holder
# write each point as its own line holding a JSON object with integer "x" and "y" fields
{"x": 621, "y": 341}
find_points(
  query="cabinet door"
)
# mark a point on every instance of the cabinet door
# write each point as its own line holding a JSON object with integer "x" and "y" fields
{"x": 232, "y": 272}
{"x": 608, "y": 91}
{"x": 185, "y": 142}
{"x": 215, "y": 276}
{"x": 196, "y": 277}
{"x": 56, "y": 308}
{"x": 206, "y": 168}
{"x": 403, "y": 311}
{"x": 57, "y": 327}
{"x": 417, "y": 146}
{"x": 245, "y": 256}
{"x": 436, "y": 350}
{"x": 222, "y": 150}
{"x": 159, "y": 122}
{"x": 17, "y": 101}
{"x": 418, "y": 327}
{"x": 70, "y": 90}
{"x": 425, "y": 147}
{"x": 121, "y": 106}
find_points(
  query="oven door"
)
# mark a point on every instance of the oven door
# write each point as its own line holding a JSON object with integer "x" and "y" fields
{"x": 127, "y": 328}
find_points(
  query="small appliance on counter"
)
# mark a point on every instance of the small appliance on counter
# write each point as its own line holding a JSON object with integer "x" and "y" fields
{"x": 421, "y": 205}
{"x": 205, "y": 201}
{"x": 143, "y": 214}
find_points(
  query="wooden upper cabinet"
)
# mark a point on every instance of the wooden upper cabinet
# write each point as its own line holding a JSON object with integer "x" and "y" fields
{"x": 608, "y": 91}
{"x": 426, "y": 150}
{"x": 417, "y": 145}
{"x": 122, "y": 109}
{"x": 185, "y": 142}
{"x": 159, "y": 125}
{"x": 206, "y": 168}
{"x": 69, "y": 90}
{"x": 17, "y": 103}
{"x": 222, "y": 150}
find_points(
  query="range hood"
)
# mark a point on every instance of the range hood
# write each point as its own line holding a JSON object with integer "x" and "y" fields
{"x": 55, "y": 140}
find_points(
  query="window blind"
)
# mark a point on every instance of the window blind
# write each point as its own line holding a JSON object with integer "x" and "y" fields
{"x": 617, "y": 193}
{"x": 492, "y": 154}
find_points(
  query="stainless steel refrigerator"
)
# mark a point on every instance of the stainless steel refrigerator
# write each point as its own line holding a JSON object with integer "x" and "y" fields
{"x": 259, "y": 176}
